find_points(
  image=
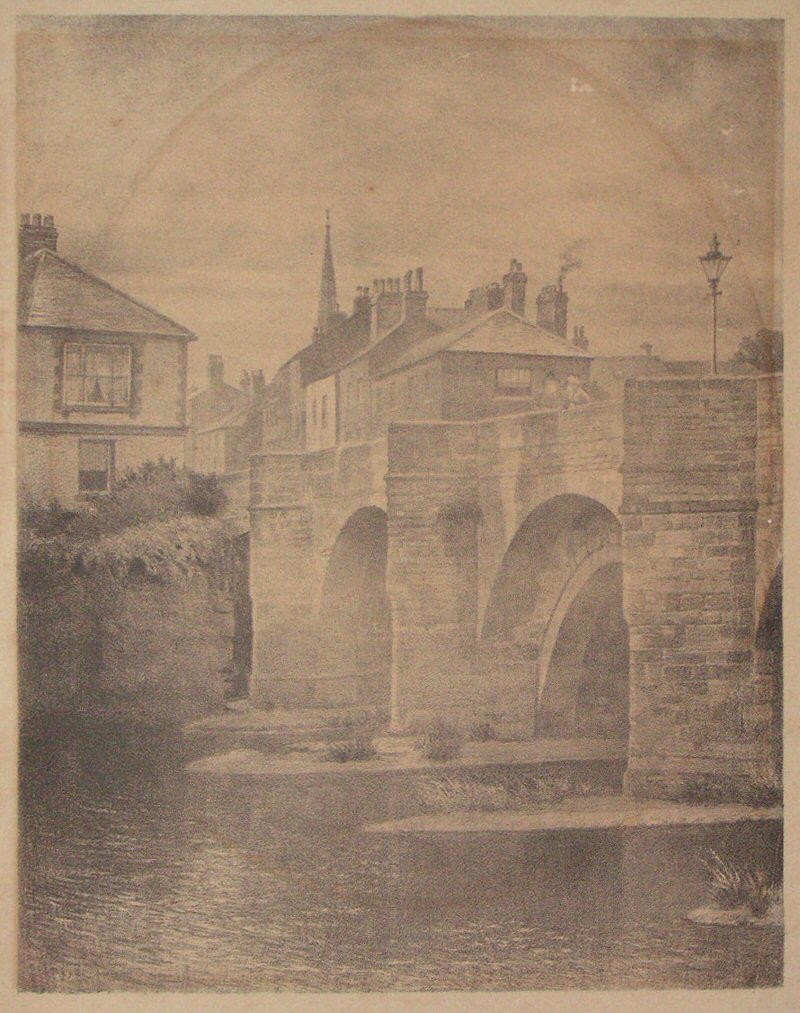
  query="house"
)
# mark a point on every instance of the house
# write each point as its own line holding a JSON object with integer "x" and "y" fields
{"x": 227, "y": 423}
{"x": 101, "y": 377}
{"x": 215, "y": 411}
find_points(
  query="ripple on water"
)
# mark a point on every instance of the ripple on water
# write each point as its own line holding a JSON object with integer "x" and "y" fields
{"x": 172, "y": 883}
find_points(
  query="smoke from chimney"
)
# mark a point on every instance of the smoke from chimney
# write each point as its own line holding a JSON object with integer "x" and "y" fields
{"x": 569, "y": 262}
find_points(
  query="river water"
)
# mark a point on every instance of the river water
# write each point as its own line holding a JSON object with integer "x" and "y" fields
{"x": 136, "y": 875}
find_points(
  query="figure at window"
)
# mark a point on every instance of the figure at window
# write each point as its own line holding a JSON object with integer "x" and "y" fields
{"x": 553, "y": 396}
{"x": 576, "y": 395}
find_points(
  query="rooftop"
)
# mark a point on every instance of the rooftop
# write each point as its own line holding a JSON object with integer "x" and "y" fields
{"x": 499, "y": 331}
{"x": 55, "y": 293}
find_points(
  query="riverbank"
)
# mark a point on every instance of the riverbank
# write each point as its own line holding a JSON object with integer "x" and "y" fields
{"x": 397, "y": 753}
{"x": 591, "y": 813}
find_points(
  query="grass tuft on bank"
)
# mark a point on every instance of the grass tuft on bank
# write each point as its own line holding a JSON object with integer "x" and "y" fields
{"x": 358, "y": 747}
{"x": 739, "y": 885}
{"x": 460, "y": 793}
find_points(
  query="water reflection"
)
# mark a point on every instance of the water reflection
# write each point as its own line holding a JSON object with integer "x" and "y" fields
{"x": 136, "y": 876}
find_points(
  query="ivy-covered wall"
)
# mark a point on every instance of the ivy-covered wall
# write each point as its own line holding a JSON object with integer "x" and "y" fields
{"x": 134, "y": 650}
{"x": 125, "y": 611}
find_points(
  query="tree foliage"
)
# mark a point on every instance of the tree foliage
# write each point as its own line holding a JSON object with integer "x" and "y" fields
{"x": 157, "y": 519}
{"x": 763, "y": 351}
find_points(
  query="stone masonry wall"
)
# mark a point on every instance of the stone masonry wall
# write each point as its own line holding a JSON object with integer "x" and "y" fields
{"x": 432, "y": 568}
{"x": 524, "y": 460}
{"x": 299, "y": 503}
{"x": 699, "y": 716}
{"x": 769, "y": 482}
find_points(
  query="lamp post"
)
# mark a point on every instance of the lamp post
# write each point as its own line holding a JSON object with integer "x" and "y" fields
{"x": 714, "y": 263}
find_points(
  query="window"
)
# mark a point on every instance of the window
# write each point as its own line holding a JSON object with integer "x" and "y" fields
{"x": 314, "y": 412}
{"x": 97, "y": 376}
{"x": 360, "y": 389}
{"x": 513, "y": 381}
{"x": 95, "y": 465}
{"x": 324, "y": 411}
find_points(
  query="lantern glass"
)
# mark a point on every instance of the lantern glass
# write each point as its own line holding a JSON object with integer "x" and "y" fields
{"x": 714, "y": 262}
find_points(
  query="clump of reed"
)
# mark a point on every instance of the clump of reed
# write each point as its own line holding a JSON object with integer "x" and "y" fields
{"x": 357, "y": 747}
{"x": 741, "y": 885}
{"x": 459, "y": 793}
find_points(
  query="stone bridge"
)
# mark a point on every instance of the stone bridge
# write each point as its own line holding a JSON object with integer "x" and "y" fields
{"x": 611, "y": 571}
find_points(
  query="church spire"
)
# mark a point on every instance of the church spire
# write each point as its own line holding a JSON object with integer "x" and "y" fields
{"x": 328, "y": 306}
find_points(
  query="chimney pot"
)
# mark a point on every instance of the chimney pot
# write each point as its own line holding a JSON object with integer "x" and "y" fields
{"x": 551, "y": 310}
{"x": 36, "y": 235}
{"x": 215, "y": 371}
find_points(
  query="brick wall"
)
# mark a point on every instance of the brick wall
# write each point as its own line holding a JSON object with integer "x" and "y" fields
{"x": 700, "y": 715}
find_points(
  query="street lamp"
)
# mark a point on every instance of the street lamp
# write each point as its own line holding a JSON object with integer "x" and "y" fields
{"x": 714, "y": 263}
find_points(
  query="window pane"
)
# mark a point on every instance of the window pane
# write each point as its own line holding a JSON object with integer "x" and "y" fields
{"x": 99, "y": 361}
{"x": 120, "y": 391}
{"x": 514, "y": 379}
{"x": 92, "y": 455}
{"x": 73, "y": 361}
{"x": 73, "y": 389}
{"x": 98, "y": 390}
{"x": 122, "y": 361}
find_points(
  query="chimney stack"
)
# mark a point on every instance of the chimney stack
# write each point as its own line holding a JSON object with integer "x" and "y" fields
{"x": 514, "y": 288}
{"x": 551, "y": 310}
{"x": 361, "y": 299}
{"x": 36, "y": 233}
{"x": 579, "y": 338}
{"x": 215, "y": 372}
{"x": 647, "y": 348}
{"x": 386, "y": 305}
{"x": 415, "y": 300}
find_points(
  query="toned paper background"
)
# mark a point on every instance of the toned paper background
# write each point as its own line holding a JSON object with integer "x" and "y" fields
{"x": 786, "y": 998}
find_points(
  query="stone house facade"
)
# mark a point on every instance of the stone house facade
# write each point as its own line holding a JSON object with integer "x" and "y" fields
{"x": 101, "y": 377}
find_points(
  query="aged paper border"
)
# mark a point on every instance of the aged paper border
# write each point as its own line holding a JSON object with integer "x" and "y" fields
{"x": 785, "y": 998}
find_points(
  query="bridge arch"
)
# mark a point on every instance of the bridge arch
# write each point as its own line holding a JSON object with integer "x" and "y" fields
{"x": 354, "y": 618}
{"x": 554, "y": 637}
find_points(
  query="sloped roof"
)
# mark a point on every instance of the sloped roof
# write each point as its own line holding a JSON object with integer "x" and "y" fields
{"x": 341, "y": 343}
{"x": 446, "y": 316}
{"x": 55, "y": 293}
{"x": 500, "y": 331}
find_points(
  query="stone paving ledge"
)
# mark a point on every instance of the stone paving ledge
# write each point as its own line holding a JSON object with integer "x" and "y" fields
{"x": 594, "y": 813}
{"x": 398, "y": 753}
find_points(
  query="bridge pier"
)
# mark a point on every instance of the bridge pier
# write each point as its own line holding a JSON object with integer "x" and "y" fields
{"x": 701, "y": 713}
{"x": 432, "y": 571}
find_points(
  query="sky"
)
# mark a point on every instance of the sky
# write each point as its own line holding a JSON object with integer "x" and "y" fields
{"x": 190, "y": 161}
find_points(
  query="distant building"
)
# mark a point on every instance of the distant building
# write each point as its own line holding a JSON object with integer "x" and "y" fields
{"x": 227, "y": 423}
{"x": 101, "y": 377}
{"x": 394, "y": 357}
